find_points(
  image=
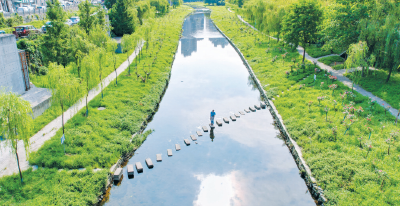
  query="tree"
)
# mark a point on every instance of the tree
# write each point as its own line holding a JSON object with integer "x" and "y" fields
{"x": 392, "y": 51}
{"x": 240, "y": 3}
{"x": 90, "y": 74}
{"x": 176, "y": 3}
{"x": 65, "y": 88}
{"x": 109, "y": 3}
{"x": 87, "y": 19}
{"x": 273, "y": 19}
{"x": 301, "y": 22}
{"x": 127, "y": 43}
{"x": 54, "y": 47}
{"x": 357, "y": 56}
{"x": 162, "y": 6}
{"x": 16, "y": 122}
{"x": 123, "y": 17}
{"x": 79, "y": 46}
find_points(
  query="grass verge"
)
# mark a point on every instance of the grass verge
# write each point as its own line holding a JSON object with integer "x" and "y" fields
{"x": 99, "y": 140}
{"x": 351, "y": 167}
{"x": 331, "y": 59}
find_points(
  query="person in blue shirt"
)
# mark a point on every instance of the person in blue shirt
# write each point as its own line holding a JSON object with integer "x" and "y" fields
{"x": 212, "y": 115}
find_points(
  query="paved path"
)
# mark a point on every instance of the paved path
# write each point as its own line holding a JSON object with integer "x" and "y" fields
{"x": 339, "y": 73}
{"x": 8, "y": 161}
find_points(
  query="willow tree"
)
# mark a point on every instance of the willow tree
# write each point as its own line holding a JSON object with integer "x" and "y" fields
{"x": 101, "y": 57}
{"x": 127, "y": 43}
{"x": 90, "y": 73}
{"x": 65, "y": 88}
{"x": 16, "y": 122}
{"x": 358, "y": 56}
{"x": 392, "y": 51}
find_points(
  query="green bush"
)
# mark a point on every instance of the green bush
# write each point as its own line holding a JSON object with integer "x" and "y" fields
{"x": 338, "y": 67}
{"x": 43, "y": 70}
{"x": 316, "y": 51}
{"x": 331, "y": 59}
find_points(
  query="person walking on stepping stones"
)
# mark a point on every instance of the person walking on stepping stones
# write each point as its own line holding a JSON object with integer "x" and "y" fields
{"x": 212, "y": 115}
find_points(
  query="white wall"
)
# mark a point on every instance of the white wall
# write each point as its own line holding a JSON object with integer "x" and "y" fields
{"x": 10, "y": 65}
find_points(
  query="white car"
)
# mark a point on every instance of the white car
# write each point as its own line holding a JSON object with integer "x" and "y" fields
{"x": 75, "y": 19}
{"x": 44, "y": 28}
{"x": 68, "y": 22}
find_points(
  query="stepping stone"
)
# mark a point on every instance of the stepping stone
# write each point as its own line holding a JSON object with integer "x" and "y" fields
{"x": 242, "y": 113}
{"x": 237, "y": 115}
{"x": 219, "y": 123}
{"x": 101, "y": 108}
{"x": 186, "y": 142}
{"x": 177, "y": 147}
{"x": 117, "y": 174}
{"x": 199, "y": 133}
{"x": 193, "y": 137}
{"x": 226, "y": 120}
{"x": 212, "y": 126}
{"x": 196, "y": 142}
{"x": 149, "y": 163}
{"x": 139, "y": 167}
{"x": 263, "y": 105}
{"x": 169, "y": 152}
{"x": 246, "y": 110}
{"x": 252, "y": 109}
{"x": 159, "y": 159}
{"x": 205, "y": 129}
{"x": 257, "y": 107}
{"x": 130, "y": 170}
{"x": 233, "y": 118}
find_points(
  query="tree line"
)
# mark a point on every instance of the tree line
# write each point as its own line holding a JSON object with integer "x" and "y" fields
{"x": 368, "y": 30}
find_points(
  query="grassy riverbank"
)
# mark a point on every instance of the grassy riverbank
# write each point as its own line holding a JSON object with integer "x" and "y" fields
{"x": 351, "y": 167}
{"x": 99, "y": 140}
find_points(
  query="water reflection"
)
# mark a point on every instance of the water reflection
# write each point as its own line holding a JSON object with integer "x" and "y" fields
{"x": 243, "y": 164}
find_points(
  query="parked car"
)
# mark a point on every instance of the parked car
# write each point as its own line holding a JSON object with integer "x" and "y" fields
{"x": 75, "y": 19}
{"x": 44, "y": 27}
{"x": 30, "y": 8}
{"x": 2, "y": 32}
{"x": 24, "y": 31}
{"x": 42, "y": 8}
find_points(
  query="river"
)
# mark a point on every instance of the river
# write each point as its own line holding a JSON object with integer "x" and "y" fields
{"x": 241, "y": 163}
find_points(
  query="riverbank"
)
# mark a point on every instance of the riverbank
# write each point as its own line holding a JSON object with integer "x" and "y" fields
{"x": 349, "y": 169}
{"x": 99, "y": 140}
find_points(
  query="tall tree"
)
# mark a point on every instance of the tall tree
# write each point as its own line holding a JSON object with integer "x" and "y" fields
{"x": 127, "y": 43}
{"x": 123, "y": 17}
{"x": 87, "y": 19}
{"x": 358, "y": 56}
{"x": 55, "y": 46}
{"x": 16, "y": 122}
{"x": 392, "y": 51}
{"x": 90, "y": 74}
{"x": 65, "y": 88}
{"x": 301, "y": 22}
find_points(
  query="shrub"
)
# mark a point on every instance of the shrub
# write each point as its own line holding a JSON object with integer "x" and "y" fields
{"x": 331, "y": 59}
{"x": 43, "y": 70}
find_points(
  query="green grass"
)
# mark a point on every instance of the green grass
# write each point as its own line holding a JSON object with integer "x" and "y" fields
{"x": 331, "y": 60}
{"x": 316, "y": 51}
{"x": 51, "y": 187}
{"x": 375, "y": 83}
{"x": 340, "y": 165}
{"x": 99, "y": 140}
{"x": 338, "y": 67}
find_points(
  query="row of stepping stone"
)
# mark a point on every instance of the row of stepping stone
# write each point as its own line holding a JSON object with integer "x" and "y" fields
{"x": 149, "y": 163}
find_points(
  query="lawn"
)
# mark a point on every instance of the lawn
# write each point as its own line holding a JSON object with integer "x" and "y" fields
{"x": 332, "y": 127}
{"x": 331, "y": 60}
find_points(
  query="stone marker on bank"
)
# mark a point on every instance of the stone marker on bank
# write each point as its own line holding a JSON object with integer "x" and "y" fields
{"x": 130, "y": 170}
{"x": 169, "y": 152}
{"x": 205, "y": 129}
{"x": 193, "y": 137}
{"x": 117, "y": 174}
{"x": 226, "y": 120}
{"x": 233, "y": 118}
{"x": 219, "y": 123}
{"x": 159, "y": 159}
{"x": 177, "y": 147}
{"x": 149, "y": 163}
{"x": 187, "y": 142}
{"x": 252, "y": 109}
{"x": 139, "y": 167}
{"x": 199, "y": 133}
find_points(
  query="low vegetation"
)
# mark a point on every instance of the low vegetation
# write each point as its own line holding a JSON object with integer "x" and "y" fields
{"x": 331, "y": 60}
{"x": 349, "y": 142}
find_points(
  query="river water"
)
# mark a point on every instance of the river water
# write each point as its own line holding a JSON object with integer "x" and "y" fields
{"x": 240, "y": 163}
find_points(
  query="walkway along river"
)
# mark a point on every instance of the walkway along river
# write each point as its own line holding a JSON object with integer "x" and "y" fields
{"x": 241, "y": 163}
